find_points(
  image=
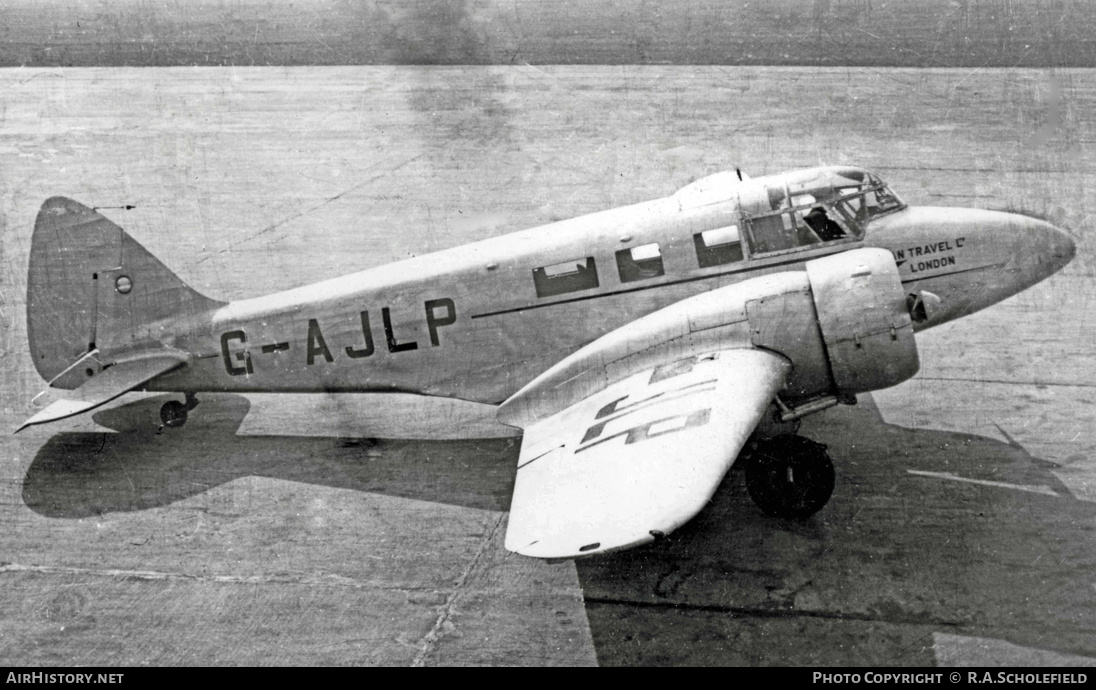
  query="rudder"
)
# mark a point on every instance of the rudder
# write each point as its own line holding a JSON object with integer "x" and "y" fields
{"x": 92, "y": 286}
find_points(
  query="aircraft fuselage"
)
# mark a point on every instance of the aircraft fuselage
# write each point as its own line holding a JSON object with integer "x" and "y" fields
{"x": 479, "y": 321}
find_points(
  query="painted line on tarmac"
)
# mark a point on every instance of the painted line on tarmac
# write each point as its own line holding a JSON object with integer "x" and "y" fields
{"x": 310, "y": 579}
{"x": 959, "y": 650}
{"x": 1038, "y": 489}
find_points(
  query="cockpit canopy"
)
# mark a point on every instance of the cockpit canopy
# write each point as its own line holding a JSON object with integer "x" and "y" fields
{"x": 855, "y": 192}
{"x": 795, "y": 209}
{"x": 813, "y": 206}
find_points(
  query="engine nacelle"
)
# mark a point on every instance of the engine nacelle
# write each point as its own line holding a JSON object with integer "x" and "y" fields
{"x": 864, "y": 319}
{"x": 846, "y": 327}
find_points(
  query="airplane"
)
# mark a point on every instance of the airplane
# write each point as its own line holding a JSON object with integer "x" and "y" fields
{"x": 642, "y": 350}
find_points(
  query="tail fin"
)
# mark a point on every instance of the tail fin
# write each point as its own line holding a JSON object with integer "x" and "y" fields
{"x": 92, "y": 286}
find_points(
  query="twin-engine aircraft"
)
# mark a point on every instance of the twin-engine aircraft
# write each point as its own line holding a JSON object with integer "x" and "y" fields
{"x": 642, "y": 350}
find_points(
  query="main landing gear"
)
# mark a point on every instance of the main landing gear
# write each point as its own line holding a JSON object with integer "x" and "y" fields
{"x": 174, "y": 413}
{"x": 789, "y": 476}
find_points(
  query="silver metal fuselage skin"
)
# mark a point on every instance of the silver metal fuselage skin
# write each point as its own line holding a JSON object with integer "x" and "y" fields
{"x": 467, "y": 322}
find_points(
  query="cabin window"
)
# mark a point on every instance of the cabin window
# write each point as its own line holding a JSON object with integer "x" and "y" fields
{"x": 640, "y": 263}
{"x": 717, "y": 247}
{"x": 567, "y": 276}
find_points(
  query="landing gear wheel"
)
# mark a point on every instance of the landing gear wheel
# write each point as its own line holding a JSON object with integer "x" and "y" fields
{"x": 789, "y": 477}
{"x": 173, "y": 413}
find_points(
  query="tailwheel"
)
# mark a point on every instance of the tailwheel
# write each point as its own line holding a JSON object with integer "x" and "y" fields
{"x": 789, "y": 476}
{"x": 174, "y": 413}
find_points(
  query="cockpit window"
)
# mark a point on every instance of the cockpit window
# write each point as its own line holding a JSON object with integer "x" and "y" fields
{"x": 804, "y": 225}
{"x": 772, "y": 233}
{"x": 822, "y": 226}
{"x": 815, "y": 206}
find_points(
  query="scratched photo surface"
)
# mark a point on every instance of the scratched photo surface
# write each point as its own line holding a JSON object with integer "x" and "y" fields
{"x": 256, "y": 149}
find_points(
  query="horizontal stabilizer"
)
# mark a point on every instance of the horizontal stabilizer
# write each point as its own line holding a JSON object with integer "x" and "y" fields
{"x": 109, "y": 383}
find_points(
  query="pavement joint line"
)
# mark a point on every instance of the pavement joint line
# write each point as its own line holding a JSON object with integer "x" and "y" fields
{"x": 1035, "y": 489}
{"x": 747, "y": 612}
{"x": 960, "y": 379}
{"x": 431, "y": 639}
{"x": 312, "y": 208}
{"x": 316, "y": 579}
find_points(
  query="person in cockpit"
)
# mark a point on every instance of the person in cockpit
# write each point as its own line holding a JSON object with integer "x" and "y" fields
{"x": 822, "y": 225}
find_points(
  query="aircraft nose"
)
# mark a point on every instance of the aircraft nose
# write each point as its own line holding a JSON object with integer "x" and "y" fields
{"x": 1063, "y": 248}
{"x": 971, "y": 258}
{"x": 1052, "y": 246}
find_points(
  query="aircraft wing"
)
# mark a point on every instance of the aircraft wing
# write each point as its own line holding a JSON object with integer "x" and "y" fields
{"x": 637, "y": 458}
{"x": 107, "y": 384}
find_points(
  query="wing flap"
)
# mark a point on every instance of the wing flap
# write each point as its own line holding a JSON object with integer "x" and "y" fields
{"x": 109, "y": 383}
{"x": 639, "y": 458}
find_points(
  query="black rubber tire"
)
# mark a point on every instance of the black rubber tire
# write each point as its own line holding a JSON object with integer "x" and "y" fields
{"x": 173, "y": 413}
{"x": 789, "y": 477}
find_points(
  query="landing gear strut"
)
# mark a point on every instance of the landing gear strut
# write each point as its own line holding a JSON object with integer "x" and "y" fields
{"x": 789, "y": 476}
{"x": 174, "y": 413}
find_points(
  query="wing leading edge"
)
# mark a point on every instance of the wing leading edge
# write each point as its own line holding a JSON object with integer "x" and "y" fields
{"x": 639, "y": 458}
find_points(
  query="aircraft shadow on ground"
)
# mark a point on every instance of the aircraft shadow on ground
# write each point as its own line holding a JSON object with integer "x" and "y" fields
{"x": 892, "y": 559}
{"x": 77, "y": 475}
